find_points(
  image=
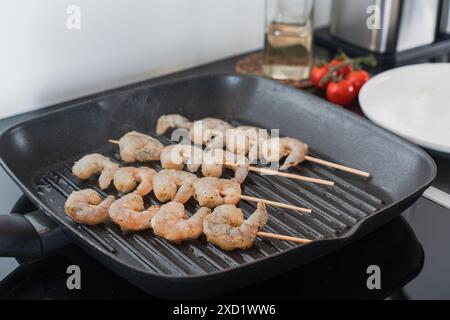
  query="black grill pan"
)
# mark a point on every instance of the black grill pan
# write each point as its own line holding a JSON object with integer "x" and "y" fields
{"x": 39, "y": 153}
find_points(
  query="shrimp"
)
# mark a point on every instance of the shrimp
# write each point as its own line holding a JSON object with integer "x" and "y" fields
{"x": 212, "y": 192}
{"x": 129, "y": 213}
{"x": 213, "y": 123}
{"x": 93, "y": 164}
{"x": 215, "y": 159}
{"x": 237, "y": 141}
{"x": 135, "y": 146}
{"x": 168, "y": 121}
{"x": 246, "y": 140}
{"x": 173, "y": 185}
{"x": 254, "y": 137}
{"x": 176, "y": 156}
{"x": 240, "y": 140}
{"x": 276, "y": 148}
{"x": 172, "y": 223}
{"x": 209, "y": 131}
{"x": 86, "y": 207}
{"x": 226, "y": 226}
{"x": 128, "y": 179}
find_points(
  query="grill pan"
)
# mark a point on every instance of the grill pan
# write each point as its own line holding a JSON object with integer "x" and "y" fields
{"x": 39, "y": 153}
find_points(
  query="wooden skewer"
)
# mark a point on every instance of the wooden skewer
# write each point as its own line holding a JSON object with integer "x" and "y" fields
{"x": 114, "y": 141}
{"x": 292, "y": 176}
{"x": 283, "y": 238}
{"x": 285, "y": 174}
{"x": 276, "y": 204}
{"x": 338, "y": 166}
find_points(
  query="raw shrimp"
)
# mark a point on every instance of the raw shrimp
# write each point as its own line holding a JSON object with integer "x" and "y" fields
{"x": 86, "y": 207}
{"x": 95, "y": 163}
{"x": 215, "y": 159}
{"x": 210, "y": 132}
{"x": 242, "y": 139}
{"x": 168, "y": 121}
{"x": 212, "y": 192}
{"x": 237, "y": 141}
{"x": 129, "y": 213}
{"x": 226, "y": 226}
{"x": 135, "y": 146}
{"x": 246, "y": 140}
{"x": 276, "y": 148}
{"x": 173, "y": 185}
{"x": 128, "y": 179}
{"x": 172, "y": 223}
{"x": 177, "y": 155}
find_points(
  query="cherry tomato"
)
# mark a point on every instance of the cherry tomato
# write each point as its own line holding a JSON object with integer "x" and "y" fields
{"x": 344, "y": 70}
{"x": 358, "y": 79}
{"x": 341, "y": 92}
{"x": 317, "y": 73}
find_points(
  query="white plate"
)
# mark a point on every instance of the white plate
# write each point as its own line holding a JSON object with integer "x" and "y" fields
{"x": 413, "y": 102}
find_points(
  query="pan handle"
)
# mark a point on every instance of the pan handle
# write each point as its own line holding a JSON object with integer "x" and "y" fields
{"x": 29, "y": 236}
{"x": 18, "y": 237}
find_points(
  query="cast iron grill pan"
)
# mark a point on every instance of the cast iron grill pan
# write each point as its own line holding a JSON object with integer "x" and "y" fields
{"x": 40, "y": 153}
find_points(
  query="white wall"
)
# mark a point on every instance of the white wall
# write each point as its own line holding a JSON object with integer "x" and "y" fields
{"x": 322, "y": 12}
{"x": 42, "y": 62}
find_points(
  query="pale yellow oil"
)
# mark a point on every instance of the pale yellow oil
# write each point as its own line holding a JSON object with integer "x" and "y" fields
{"x": 288, "y": 51}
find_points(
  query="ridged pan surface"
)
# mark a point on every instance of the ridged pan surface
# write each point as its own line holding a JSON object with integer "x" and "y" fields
{"x": 39, "y": 155}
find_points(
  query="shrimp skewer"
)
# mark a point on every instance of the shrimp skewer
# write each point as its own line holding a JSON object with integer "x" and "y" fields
{"x": 175, "y": 157}
{"x": 213, "y": 161}
{"x": 87, "y": 207}
{"x": 217, "y": 133}
{"x": 171, "y": 222}
{"x": 95, "y": 163}
{"x": 129, "y": 213}
{"x": 180, "y": 186}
